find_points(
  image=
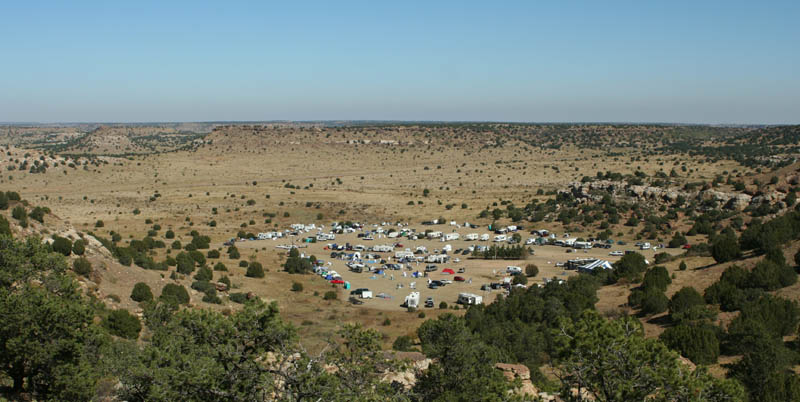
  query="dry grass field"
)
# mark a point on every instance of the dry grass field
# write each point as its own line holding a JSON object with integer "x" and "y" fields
{"x": 263, "y": 178}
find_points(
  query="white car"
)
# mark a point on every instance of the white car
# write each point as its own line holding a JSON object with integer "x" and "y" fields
{"x": 616, "y": 253}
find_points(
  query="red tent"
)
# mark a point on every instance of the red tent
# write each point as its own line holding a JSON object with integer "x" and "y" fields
{"x": 448, "y": 271}
{"x": 337, "y": 281}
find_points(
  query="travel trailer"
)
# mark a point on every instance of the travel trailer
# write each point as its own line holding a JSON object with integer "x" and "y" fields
{"x": 450, "y": 237}
{"x": 500, "y": 238}
{"x": 468, "y": 299}
{"x": 471, "y": 237}
{"x": 412, "y": 300}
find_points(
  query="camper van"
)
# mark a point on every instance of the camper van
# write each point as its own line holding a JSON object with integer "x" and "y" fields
{"x": 513, "y": 270}
{"x": 412, "y": 300}
{"x": 471, "y": 237}
{"x": 500, "y": 238}
{"x": 469, "y": 299}
{"x": 451, "y": 237}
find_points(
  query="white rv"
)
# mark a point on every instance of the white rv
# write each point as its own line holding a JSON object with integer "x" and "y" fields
{"x": 485, "y": 237}
{"x": 511, "y": 269}
{"x": 469, "y": 299}
{"x": 450, "y": 237}
{"x": 584, "y": 245}
{"x": 403, "y": 254}
{"x": 382, "y": 248}
{"x": 645, "y": 246}
{"x": 412, "y": 300}
{"x": 434, "y": 235}
{"x": 500, "y": 238}
{"x": 471, "y": 237}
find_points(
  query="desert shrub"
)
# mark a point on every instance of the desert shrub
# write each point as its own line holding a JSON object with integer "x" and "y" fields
{"x": 403, "y": 343}
{"x": 238, "y": 297}
{"x": 220, "y": 267}
{"x": 141, "y": 293}
{"x": 185, "y": 263}
{"x": 212, "y": 254}
{"x": 99, "y": 224}
{"x": 654, "y": 302}
{"x": 37, "y": 214}
{"x": 678, "y": 240}
{"x": 682, "y": 266}
{"x": 243, "y": 264}
{"x": 123, "y": 324}
{"x": 443, "y": 305}
{"x": 630, "y": 267}
{"x": 519, "y": 280}
{"x": 198, "y": 257}
{"x": 204, "y": 274}
{"x": 3, "y": 201}
{"x": 297, "y": 287}
{"x": 661, "y": 258}
{"x": 531, "y": 270}
{"x": 656, "y": 278}
{"x": 82, "y": 266}
{"x": 685, "y": 299}
{"x": 330, "y": 295}
{"x": 725, "y": 247}
{"x": 233, "y": 253}
{"x": 19, "y": 213}
{"x": 698, "y": 343}
{"x": 169, "y": 234}
{"x": 62, "y": 245}
{"x": 5, "y": 226}
{"x": 79, "y": 247}
{"x": 174, "y": 294}
{"x": 176, "y": 245}
{"x": 387, "y": 322}
{"x": 770, "y": 276}
{"x": 255, "y": 270}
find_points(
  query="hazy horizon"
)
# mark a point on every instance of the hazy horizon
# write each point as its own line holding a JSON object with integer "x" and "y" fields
{"x": 719, "y": 63}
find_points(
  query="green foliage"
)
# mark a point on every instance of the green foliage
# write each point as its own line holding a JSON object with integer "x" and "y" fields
{"x": 330, "y": 295}
{"x": 463, "y": 366}
{"x": 656, "y": 278}
{"x": 725, "y": 247}
{"x": 169, "y": 234}
{"x": 403, "y": 343}
{"x": 82, "y": 266}
{"x": 698, "y": 343}
{"x": 123, "y": 324}
{"x": 516, "y": 252}
{"x": 220, "y": 267}
{"x": 678, "y": 240}
{"x": 613, "y": 361}
{"x": 174, "y": 294}
{"x": 141, "y": 293}
{"x": 62, "y": 245}
{"x": 519, "y": 280}
{"x": 212, "y": 254}
{"x": 204, "y": 274}
{"x": 186, "y": 264}
{"x": 630, "y": 268}
{"x": 233, "y": 253}
{"x": 764, "y": 371}
{"x": 654, "y": 302}
{"x": 297, "y": 287}
{"x": 684, "y": 300}
{"x": 79, "y": 247}
{"x": 295, "y": 264}
{"x": 5, "y": 226}
{"x": 682, "y": 266}
{"x": 255, "y": 270}
{"x": 238, "y": 297}
{"x": 3, "y": 201}
{"x": 768, "y": 275}
{"x": 531, "y": 270}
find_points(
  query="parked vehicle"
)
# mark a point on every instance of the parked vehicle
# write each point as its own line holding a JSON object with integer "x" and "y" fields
{"x": 459, "y": 278}
{"x": 429, "y": 302}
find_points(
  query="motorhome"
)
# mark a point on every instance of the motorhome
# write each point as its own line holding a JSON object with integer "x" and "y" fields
{"x": 434, "y": 235}
{"x": 471, "y": 237}
{"x": 382, "y": 248}
{"x": 450, "y": 237}
{"x": 469, "y": 299}
{"x": 438, "y": 258}
{"x": 513, "y": 270}
{"x": 403, "y": 254}
{"x": 412, "y": 300}
{"x": 500, "y": 238}
{"x": 485, "y": 237}
{"x": 584, "y": 245}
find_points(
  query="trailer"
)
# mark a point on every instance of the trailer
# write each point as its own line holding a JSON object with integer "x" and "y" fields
{"x": 485, "y": 237}
{"x": 469, "y": 299}
{"x": 412, "y": 300}
{"x": 471, "y": 237}
{"x": 451, "y": 237}
{"x": 434, "y": 235}
{"x": 500, "y": 238}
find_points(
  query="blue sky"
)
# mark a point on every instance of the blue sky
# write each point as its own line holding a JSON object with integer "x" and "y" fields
{"x": 572, "y": 61}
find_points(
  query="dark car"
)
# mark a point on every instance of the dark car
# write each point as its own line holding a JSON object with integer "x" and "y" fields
{"x": 430, "y": 268}
{"x": 429, "y": 302}
{"x": 359, "y": 291}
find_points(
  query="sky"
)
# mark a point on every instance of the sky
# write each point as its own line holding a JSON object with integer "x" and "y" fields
{"x": 728, "y": 62}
